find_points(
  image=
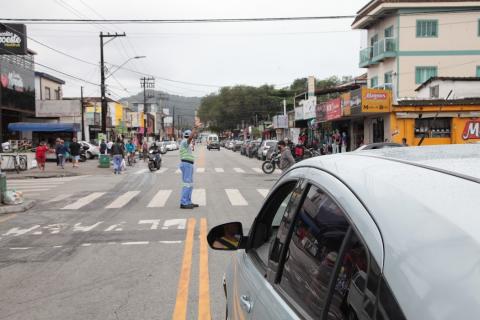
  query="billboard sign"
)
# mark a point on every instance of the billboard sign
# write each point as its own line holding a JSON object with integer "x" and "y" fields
{"x": 333, "y": 109}
{"x": 280, "y": 122}
{"x": 471, "y": 130}
{"x": 376, "y": 100}
{"x": 18, "y": 85}
{"x": 346, "y": 106}
{"x": 309, "y": 107}
{"x": 13, "y": 39}
{"x": 299, "y": 113}
{"x": 321, "y": 112}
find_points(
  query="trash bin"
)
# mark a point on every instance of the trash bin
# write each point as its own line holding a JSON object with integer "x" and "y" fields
{"x": 3, "y": 185}
{"x": 104, "y": 161}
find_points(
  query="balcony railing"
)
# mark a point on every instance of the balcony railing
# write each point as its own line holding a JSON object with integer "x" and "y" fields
{"x": 384, "y": 48}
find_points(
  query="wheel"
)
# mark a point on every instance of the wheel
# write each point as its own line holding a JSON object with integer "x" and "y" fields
{"x": 22, "y": 163}
{"x": 90, "y": 155}
{"x": 151, "y": 166}
{"x": 268, "y": 167}
{"x": 83, "y": 158}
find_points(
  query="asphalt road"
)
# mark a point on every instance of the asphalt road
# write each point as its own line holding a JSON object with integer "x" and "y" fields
{"x": 119, "y": 247}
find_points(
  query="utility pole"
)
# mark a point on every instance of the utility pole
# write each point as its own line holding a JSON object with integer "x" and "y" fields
{"x": 146, "y": 83}
{"x": 82, "y": 111}
{"x": 102, "y": 77}
{"x": 173, "y": 123}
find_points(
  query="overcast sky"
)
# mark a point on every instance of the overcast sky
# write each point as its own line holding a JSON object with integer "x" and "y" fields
{"x": 216, "y": 54}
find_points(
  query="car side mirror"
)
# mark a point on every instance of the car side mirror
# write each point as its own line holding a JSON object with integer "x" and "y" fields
{"x": 228, "y": 237}
{"x": 86, "y": 148}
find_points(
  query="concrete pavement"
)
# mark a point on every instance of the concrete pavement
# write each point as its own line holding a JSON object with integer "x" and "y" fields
{"x": 118, "y": 246}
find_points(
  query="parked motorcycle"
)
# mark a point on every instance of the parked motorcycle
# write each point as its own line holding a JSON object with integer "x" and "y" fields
{"x": 154, "y": 160}
{"x": 269, "y": 166}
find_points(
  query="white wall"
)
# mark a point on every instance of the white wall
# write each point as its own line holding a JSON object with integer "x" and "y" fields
{"x": 461, "y": 89}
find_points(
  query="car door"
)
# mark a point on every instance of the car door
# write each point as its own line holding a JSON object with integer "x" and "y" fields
{"x": 247, "y": 287}
{"x": 307, "y": 271}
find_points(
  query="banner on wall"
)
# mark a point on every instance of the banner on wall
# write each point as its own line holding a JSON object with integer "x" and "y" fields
{"x": 471, "y": 130}
{"x": 309, "y": 106}
{"x": 346, "y": 106}
{"x": 376, "y": 100}
{"x": 333, "y": 109}
{"x": 299, "y": 113}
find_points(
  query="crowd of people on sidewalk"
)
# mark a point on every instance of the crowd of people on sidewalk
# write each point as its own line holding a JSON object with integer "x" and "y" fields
{"x": 61, "y": 151}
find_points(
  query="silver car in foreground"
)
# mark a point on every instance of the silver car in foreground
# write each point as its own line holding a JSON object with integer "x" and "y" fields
{"x": 381, "y": 234}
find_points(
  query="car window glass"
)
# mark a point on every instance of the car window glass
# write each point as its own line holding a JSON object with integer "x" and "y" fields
{"x": 350, "y": 299}
{"x": 318, "y": 233}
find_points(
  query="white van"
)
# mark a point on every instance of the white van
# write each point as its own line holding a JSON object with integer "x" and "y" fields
{"x": 213, "y": 142}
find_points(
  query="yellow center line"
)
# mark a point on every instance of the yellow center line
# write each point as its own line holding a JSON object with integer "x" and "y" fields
{"x": 180, "y": 311}
{"x": 204, "y": 289}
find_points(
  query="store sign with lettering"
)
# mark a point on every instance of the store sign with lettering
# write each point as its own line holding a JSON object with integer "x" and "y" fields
{"x": 13, "y": 39}
{"x": 376, "y": 100}
{"x": 471, "y": 130}
{"x": 12, "y": 80}
{"x": 334, "y": 109}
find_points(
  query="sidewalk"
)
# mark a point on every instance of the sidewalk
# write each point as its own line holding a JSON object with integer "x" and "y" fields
{"x": 90, "y": 167}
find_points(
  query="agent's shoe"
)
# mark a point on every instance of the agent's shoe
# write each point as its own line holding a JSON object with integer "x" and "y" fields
{"x": 195, "y": 205}
{"x": 186, "y": 206}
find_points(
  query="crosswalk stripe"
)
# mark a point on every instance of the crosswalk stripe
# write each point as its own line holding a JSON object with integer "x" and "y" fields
{"x": 31, "y": 190}
{"x": 177, "y": 171}
{"x": 122, "y": 200}
{"x": 219, "y": 170}
{"x": 199, "y": 196}
{"x": 32, "y": 186}
{"x": 257, "y": 170}
{"x": 83, "y": 201}
{"x": 159, "y": 199}
{"x": 200, "y": 170}
{"x": 263, "y": 192}
{"x": 162, "y": 170}
{"x": 32, "y": 183}
{"x": 235, "y": 197}
{"x": 141, "y": 171}
{"x": 239, "y": 170}
{"x": 60, "y": 197}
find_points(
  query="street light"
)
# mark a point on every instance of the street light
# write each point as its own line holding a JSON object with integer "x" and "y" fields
{"x": 120, "y": 66}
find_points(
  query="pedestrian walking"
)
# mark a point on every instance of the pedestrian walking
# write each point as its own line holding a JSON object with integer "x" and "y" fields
{"x": 286, "y": 158}
{"x": 109, "y": 147}
{"x": 145, "y": 150}
{"x": 103, "y": 147}
{"x": 41, "y": 155}
{"x": 75, "y": 152}
{"x": 336, "y": 139}
{"x": 186, "y": 167}
{"x": 61, "y": 151}
{"x": 57, "y": 143}
{"x": 117, "y": 153}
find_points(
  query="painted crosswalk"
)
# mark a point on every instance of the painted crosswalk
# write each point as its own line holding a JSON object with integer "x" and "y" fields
{"x": 210, "y": 170}
{"x": 160, "y": 199}
{"x": 219, "y": 170}
{"x": 235, "y": 197}
{"x": 239, "y": 170}
{"x": 34, "y": 187}
{"x": 83, "y": 201}
{"x": 200, "y": 170}
{"x": 199, "y": 196}
{"x": 123, "y": 200}
{"x": 263, "y": 192}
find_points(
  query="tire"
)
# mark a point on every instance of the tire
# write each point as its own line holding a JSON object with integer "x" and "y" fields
{"x": 83, "y": 158}
{"x": 90, "y": 155}
{"x": 151, "y": 166}
{"x": 268, "y": 167}
{"x": 22, "y": 163}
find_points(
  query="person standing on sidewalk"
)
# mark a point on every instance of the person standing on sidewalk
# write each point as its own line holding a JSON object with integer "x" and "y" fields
{"x": 61, "y": 151}
{"x": 117, "y": 153}
{"x": 186, "y": 167}
{"x": 57, "y": 143}
{"x": 75, "y": 152}
{"x": 103, "y": 147}
{"x": 41, "y": 155}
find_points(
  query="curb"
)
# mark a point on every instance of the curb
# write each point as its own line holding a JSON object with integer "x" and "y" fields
{"x": 53, "y": 175}
{"x": 16, "y": 208}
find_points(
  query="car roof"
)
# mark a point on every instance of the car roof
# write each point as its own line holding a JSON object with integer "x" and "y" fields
{"x": 425, "y": 202}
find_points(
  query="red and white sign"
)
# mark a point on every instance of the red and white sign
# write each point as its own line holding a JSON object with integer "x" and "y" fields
{"x": 472, "y": 130}
{"x": 334, "y": 109}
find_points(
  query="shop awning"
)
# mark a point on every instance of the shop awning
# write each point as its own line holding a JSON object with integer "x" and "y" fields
{"x": 43, "y": 127}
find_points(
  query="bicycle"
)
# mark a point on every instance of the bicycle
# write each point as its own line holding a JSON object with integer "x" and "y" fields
{"x": 19, "y": 162}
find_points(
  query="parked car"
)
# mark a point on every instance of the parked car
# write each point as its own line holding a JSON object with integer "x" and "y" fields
{"x": 253, "y": 148}
{"x": 93, "y": 151}
{"x": 384, "y": 234}
{"x": 237, "y": 145}
{"x": 273, "y": 148}
{"x": 172, "y": 145}
{"x": 262, "y": 150}
{"x": 243, "y": 147}
{"x": 380, "y": 145}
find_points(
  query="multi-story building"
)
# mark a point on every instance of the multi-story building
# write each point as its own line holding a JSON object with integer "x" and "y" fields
{"x": 48, "y": 87}
{"x": 411, "y": 41}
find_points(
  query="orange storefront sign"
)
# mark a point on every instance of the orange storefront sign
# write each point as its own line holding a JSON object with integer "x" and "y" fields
{"x": 471, "y": 130}
{"x": 376, "y": 100}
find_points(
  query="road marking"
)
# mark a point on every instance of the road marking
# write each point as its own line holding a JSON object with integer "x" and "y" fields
{"x": 57, "y": 246}
{"x": 34, "y": 186}
{"x": 239, "y": 170}
{"x": 115, "y": 227}
{"x": 263, "y": 192}
{"x": 159, "y": 199}
{"x": 134, "y": 243}
{"x": 18, "y": 231}
{"x": 199, "y": 196}
{"x": 60, "y": 197}
{"x": 155, "y": 223}
{"x": 122, "y": 200}
{"x": 257, "y": 170}
{"x": 86, "y": 244}
{"x": 83, "y": 201}
{"x": 203, "y": 287}
{"x": 27, "y": 190}
{"x": 177, "y": 171}
{"x": 20, "y": 248}
{"x": 180, "y": 311}
{"x": 236, "y": 198}
{"x": 170, "y": 242}
{"x": 170, "y": 223}
{"x": 200, "y": 170}
{"x": 162, "y": 170}
{"x": 219, "y": 170}
{"x": 141, "y": 171}
{"x": 79, "y": 227}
